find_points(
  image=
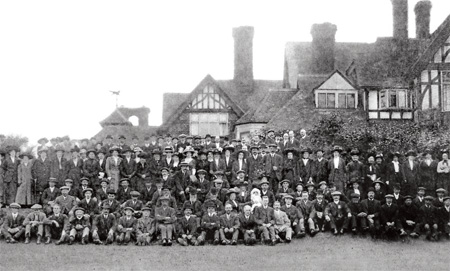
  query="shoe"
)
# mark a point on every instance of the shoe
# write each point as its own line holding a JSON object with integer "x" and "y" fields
{"x": 169, "y": 243}
{"x": 48, "y": 240}
{"x": 98, "y": 242}
{"x": 273, "y": 242}
{"x": 27, "y": 240}
{"x": 182, "y": 242}
{"x": 83, "y": 241}
{"x": 70, "y": 241}
{"x": 38, "y": 241}
{"x": 216, "y": 241}
{"x": 7, "y": 240}
{"x": 288, "y": 241}
{"x": 233, "y": 243}
{"x": 301, "y": 234}
{"x": 224, "y": 242}
{"x": 403, "y": 233}
{"x": 59, "y": 242}
{"x": 313, "y": 233}
{"x": 13, "y": 241}
{"x": 164, "y": 242}
{"x": 342, "y": 231}
{"x": 335, "y": 232}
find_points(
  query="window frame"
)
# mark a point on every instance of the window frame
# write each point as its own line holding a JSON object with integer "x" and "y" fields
{"x": 337, "y": 101}
{"x": 385, "y": 99}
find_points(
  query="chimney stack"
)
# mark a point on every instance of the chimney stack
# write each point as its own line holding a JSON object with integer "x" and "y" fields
{"x": 423, "y": 11}
{"x": 400, "y": 14}
{"x": 243, "y": 56}
{"x": 324, "y": 39}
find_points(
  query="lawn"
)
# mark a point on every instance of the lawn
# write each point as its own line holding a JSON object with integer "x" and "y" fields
{"x": 323, "y": 252}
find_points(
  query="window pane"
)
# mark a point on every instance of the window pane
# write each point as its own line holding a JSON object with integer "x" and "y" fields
{"x": 193, "y": 128}
{"x": 322, "y": 100}
{"x": 223, "y": 129}
{"x": 446, "y": 97}
{"x": 194, "y": 117}
{"x": 211, "y": 102}
{"x": 393, "y": 99}
{"x": 223, "y": 117}
{"x": 341, "y": 100}
{"x": 213, "y": 117}
{"x": 203, "y": 118}
{"x": 351, "y": 101}
{"x": 383, "y": 99}
{"x": 214, "y": 128}
{"x": 401, "y": 98}
{"x": 331, "y": 103}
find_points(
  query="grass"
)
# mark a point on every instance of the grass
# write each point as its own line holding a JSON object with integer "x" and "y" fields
{"x": 323, "y": 252}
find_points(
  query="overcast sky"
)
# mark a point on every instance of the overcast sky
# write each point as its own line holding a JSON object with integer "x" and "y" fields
{"x": 59, "y": 59}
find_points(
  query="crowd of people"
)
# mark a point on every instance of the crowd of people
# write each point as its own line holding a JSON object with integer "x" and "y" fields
{"x": 195, "y": 190}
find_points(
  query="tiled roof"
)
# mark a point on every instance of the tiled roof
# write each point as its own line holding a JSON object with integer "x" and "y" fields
{"x": 272, "y": 102}
{"x": 116, "y": 118}
{"x": 171, "y": 102}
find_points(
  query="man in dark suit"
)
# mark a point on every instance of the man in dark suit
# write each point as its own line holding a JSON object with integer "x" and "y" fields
{"x": 55, "y": 226}
{"x": 444, "y": 217}
{"x": 229, "y": 160}
{"x": 74, "y": 167}
{"x": 428, "y": 220}
{"x": 321, "y": 167}
{"x": 338, "y": 214}
{"x": 135, "y": 203}
{"x": 126, "y": 227}
{"x": 408, "y": 215}
{"x": 229, "y": 226}
{"x": 218, "y": 164}
{"x": 187, "y": 227}
{"x": 13, "y": 228}
{"x": 89, "y": 205}
{"x": 102, "y": 193}
{"x": 265, "y": 219}
{"x": 266, "y": 192}
{"x": 123, "y": 193}
{"x": 419, "y": 200}
{"x": 114, "y": 205}
{"x": 306, "y": 168}
{"x": 273, "y": 163}
{"x": 410, "y": 174}
{"x": 104, "y": 226}
{"x": 57, "y": 170}
{"x": 248, "y": 225}
{"x": 293, "y": 142}
{"x": 389, "y": 218}
{"x": 128, "y": 166}
{"x": 428, "y": 173}
{"x": 49, "y": 195}
{"x": 305, "y": 206}
{"x": 255, "y": 164}
{"x": 372, "y": 208}
{"x": 40, "y": 171}
{"x": 294, "y": 215}
{"x": 147, "y": 192}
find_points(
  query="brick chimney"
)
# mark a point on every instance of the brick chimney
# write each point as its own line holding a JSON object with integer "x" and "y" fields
{"x": 400, "y": 14}
{"x": 243, "y": 56}
{"x": 324, "y": 39}
{"x": 423, "y": 11}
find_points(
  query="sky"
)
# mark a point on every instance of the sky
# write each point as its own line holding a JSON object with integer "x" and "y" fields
{"x": 59, "y": 60}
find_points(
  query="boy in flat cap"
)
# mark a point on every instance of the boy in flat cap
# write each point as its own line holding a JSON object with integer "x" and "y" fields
{"x": 89, "y": 204}
{"x": 66, "y": 201}
{"x": 79, "y": 227}
{"x": 358, "y": 220}
{"x": 114, "y": 205}
{"x": 126, "y": 227}
{"x": 210, "y": 225}
{"x": 428, "y": 219}
{"x": 318, "y": 211}
{"x": 135, "y": 203}
{"x": 439, "y": 200}
{"x": 146, "y": 227}
{"x": 187, "y": 227}
{"x": 34, "y": 222}
{"x": 13, "y": 228}
{"x": 265, "y": 218}
{"x": 419, "y": 201}
{"x": 104, "y": 226}
{"x": 338, "y": 214}
{"x": 56, "y": 226}
{"x": 444, "y": 217}
{"x": 229, "y": 226}
{"x": 389, "y": 219}
{"x": 165, "y": 218}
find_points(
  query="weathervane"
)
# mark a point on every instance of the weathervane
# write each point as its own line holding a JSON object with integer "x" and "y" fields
{"x": 117, "y": 93}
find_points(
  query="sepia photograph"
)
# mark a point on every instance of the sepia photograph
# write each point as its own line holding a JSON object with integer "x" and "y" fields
{"x": 225, "y": 135}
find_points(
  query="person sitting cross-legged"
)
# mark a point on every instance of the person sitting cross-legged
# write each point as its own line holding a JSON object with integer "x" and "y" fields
{"x": 187, "y": 227}
{"x": 104, "y": 226}
{"x": 166, "y": 218}
{"x": 229, "y": 226}
{"x": 126, "y": 227}
{"x": 56, "y": 226}
{"x": 145, "y": 227}
{"x": 34, "y": 222}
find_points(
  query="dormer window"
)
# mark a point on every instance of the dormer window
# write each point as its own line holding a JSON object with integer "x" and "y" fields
{"x": 336, "y": 92}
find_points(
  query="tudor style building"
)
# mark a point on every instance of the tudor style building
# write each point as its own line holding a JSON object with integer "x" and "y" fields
{"x": 393, "y": 79}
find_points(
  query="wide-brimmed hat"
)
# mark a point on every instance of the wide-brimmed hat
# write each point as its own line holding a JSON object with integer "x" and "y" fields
{"x": 288, "y": 150}
{"x": 29, "y": 155}
{"x": 337, "y": 148}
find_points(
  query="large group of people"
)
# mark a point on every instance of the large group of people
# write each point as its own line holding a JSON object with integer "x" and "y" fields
{"x": 195, "y": 190}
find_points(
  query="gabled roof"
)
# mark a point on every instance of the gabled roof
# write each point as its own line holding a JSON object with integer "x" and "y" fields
{"x": 272, "y": 102}
{"x": 198, "y": 89}
{"x": 116, "y": 118}
{"x": 127, "y": 131}
{"x": 336, "y": 80}
{"x": 438, "y": 37}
